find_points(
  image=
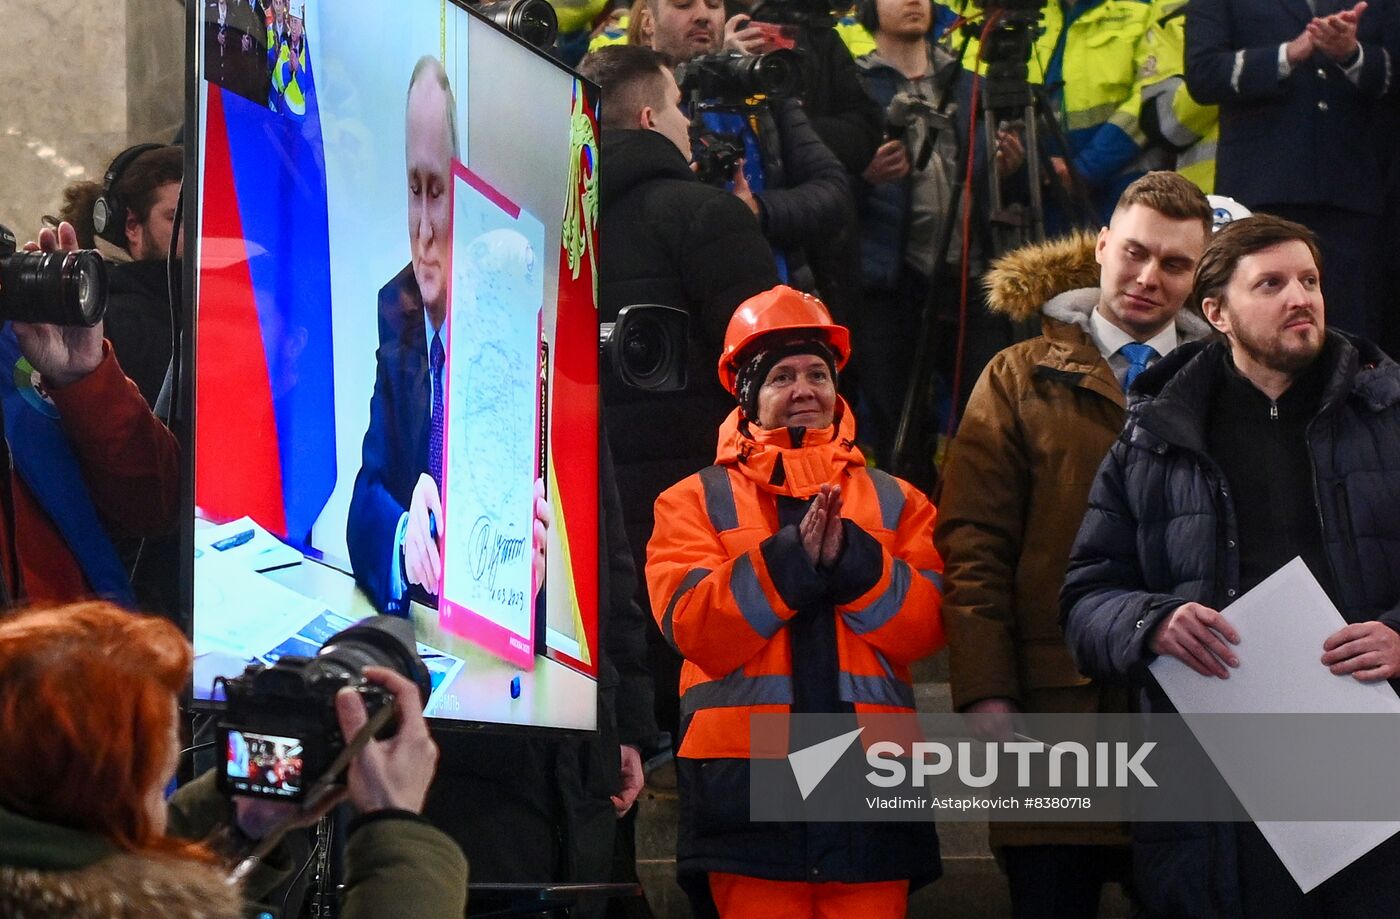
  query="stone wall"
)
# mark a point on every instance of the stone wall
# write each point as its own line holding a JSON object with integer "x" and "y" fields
{"x": 80, "y": 80}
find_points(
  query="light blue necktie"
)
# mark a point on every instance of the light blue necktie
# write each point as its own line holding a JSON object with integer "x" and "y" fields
{"x": 1138, "y": 355}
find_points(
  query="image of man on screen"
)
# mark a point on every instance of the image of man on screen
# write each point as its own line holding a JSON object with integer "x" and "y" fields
{"x": 396, "y": 515}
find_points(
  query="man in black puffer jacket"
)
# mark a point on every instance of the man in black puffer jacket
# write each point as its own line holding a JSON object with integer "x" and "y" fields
{"x": 1181, "y": 522}
{"x": 673, "y": 240}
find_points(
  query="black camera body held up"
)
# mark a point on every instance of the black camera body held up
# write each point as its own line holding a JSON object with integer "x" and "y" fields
{"x": 63, "y": 288}
{"x": 280, "y": 734}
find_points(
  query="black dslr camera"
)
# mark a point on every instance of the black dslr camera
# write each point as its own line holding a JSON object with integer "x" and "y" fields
{"x": 730, "y": 77}
{"x": 716, "y": 156}
{"x": 62, "y": 288}
{"x": 280, "y": 734}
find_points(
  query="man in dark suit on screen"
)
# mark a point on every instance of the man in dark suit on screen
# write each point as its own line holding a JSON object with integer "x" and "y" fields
{"x": 395, "y": 509}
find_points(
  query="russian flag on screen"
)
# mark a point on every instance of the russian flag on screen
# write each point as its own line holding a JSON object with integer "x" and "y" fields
{"x": 265, "y": 399}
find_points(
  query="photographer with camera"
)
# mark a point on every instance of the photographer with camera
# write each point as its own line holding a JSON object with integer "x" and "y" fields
{"x": 908, "y": 188}
{"x": 676, "y": 241}
{"x": 841, "y": 114}
{"x": 88, "y": 718}
{"x": 135, "y": 205}
{"x": 795, "y": 185}
{"x": 88, "y": 460}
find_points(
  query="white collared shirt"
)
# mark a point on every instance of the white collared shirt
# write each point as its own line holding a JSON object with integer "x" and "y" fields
{"x": 1108, "y": 338}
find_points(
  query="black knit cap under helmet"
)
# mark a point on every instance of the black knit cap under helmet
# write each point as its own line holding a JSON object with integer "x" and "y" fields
{"x": 754, "y": 367}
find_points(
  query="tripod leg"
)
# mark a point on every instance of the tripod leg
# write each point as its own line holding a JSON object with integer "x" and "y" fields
{"x": 1033, "y": 173}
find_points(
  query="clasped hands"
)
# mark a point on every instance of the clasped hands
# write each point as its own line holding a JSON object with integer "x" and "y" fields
{"x": 821, "y": 530}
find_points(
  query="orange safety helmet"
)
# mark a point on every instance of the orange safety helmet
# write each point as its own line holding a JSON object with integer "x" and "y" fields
{"x": 776, "y": 310}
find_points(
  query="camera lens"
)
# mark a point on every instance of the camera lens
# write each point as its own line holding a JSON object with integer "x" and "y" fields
{"x": 63, "y": 288}
{"x": 379, "y": 641}
{"x": 533, "y": 20}
{"x": 643, "y": 350}
{"x": 775, "y": 73}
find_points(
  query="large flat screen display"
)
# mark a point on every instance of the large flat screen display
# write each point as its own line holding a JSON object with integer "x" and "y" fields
{"x": 395, "y": 350}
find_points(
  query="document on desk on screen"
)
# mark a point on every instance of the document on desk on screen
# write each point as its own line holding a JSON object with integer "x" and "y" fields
{"x": 490, "y": 444}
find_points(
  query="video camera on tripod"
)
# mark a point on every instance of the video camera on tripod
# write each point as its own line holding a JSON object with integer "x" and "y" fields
{"x": 1010, "y": 27}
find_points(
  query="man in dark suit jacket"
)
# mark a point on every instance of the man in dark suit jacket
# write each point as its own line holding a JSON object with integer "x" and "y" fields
{"x": 395, "y": 505}
{"x": 394, "y": 457}
{"x": 395, "y": 509}
{"x": 1297, "y": 82}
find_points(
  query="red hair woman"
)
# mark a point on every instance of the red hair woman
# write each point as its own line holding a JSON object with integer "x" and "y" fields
{"x": 88, "y": 726}
{"x": 89, "y": 742}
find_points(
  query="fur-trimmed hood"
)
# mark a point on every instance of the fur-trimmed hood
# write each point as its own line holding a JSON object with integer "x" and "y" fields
{"x": 1059, "y": 279}
{"x": 1024, "y": 280}
{"x": 121, "y": 886}
{"x": 49, "y": 871}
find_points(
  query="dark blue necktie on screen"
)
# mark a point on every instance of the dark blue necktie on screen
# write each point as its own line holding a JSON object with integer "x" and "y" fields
{"x": 1138, "y": 355}
{"x": 437, "y": 357}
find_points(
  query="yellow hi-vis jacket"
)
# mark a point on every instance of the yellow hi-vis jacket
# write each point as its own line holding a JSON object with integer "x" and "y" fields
{"x": 1170, "y": 116}
{"x": 1095, "y": 49}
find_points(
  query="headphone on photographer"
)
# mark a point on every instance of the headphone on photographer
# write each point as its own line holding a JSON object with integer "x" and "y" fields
{"x": 109, "y": 210}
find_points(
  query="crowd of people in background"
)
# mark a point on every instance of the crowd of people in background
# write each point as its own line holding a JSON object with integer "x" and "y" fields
{"x": 917, "y": 296}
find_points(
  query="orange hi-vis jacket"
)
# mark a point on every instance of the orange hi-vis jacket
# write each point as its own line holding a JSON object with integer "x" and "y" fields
{"x": 725, "y": 578}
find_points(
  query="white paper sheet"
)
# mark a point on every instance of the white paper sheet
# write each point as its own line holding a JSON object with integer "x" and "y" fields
{"x": 492, "y": 435}
{"x": 1282, "y": 624}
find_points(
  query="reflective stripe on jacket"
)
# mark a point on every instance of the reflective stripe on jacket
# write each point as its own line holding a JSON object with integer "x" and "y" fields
{"x": 1095, "y": 50}
{"x": 1170, "y": 116}
{"x": 725, "y": 579}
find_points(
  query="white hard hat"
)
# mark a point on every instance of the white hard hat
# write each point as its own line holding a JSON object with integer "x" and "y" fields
{"x": 1226, "y": 210}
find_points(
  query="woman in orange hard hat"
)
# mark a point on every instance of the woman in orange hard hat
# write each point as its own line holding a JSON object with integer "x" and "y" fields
{"x": 792, "y": 578}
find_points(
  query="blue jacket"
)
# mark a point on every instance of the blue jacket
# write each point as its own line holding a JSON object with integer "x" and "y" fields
{"x": 1306, "y": 139}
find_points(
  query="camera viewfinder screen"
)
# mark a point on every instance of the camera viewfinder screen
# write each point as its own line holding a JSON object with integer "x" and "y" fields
{"x": 395, "y": 360}
{"x": 263, "y": 764}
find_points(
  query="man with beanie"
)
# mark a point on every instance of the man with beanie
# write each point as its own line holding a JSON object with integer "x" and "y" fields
{"x": 792, "y": 578}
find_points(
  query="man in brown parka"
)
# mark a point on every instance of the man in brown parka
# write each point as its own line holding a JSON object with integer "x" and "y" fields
{"x": 1038, "y": 423}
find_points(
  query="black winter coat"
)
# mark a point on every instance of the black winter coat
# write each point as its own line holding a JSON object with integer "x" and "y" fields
{"x": 137, "y": 322}
{"x": 670, "y": 239}
{"x": 1161, "y": 531}
{"x": 808, "y": 197}
{"x": 848, "y": 121}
